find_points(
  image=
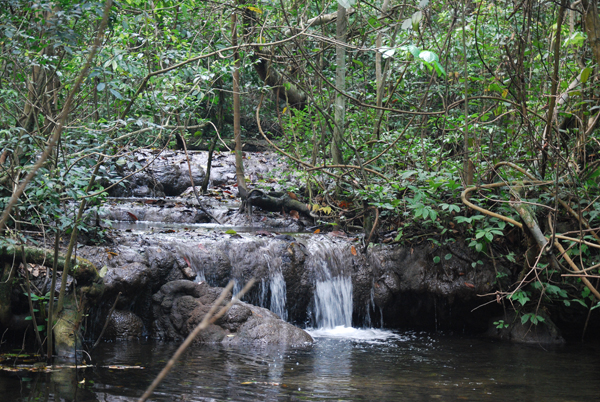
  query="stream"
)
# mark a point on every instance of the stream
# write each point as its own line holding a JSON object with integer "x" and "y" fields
{"x": 310, "y": 279}
{"x": 344, "y": 364}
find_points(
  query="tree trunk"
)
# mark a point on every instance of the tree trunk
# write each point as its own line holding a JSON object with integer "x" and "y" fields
{"x": 340, "y": 83}
{"x": 237, "y": 132}
{"x": 378, "y": 73}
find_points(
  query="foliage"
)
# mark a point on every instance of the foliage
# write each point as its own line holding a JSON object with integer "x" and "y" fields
{"x": 460, "y": 91}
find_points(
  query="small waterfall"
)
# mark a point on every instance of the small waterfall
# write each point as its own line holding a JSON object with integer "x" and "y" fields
{"x": 278, "y": 295}
{"x": 333, "y": 302}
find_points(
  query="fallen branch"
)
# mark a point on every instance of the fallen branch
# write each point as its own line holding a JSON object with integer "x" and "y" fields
{"x": 40, "y": 256}
{"x": 276, "y": 204}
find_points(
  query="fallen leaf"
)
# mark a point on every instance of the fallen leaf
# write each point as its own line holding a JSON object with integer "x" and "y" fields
{"x": 317, "y": 231}
{"x": 344, "y": 204}
{"x": 353, "y": 250}
{"x": 292, "y": 195}
{"x": 294, "y": 214}
{"x": 112, "y": 253}
{"x": 469, "y": 285}
{"x": 132, "y": 216}
{"x": 231, "y": 232}
{"x": 187, "y": 262}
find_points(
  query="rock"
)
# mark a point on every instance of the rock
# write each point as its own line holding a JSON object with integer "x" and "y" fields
{"x": 124, "y": 325}
{"x": 266, "y": 328}
{"x": 544, "y": 333}
{"x": 167, "y": 174}
{"x": 180, "y": 306}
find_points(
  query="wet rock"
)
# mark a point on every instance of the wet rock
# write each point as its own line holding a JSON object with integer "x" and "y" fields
{"x": 180, "y": 306}
{"x": 124, "y": 325}
{"x": 132, "y": 212}
{"x": 167, "y": 174}
{"x": 266, "y": 328}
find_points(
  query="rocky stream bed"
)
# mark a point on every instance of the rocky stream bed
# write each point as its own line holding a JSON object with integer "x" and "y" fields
{"x": 165, "y": 261}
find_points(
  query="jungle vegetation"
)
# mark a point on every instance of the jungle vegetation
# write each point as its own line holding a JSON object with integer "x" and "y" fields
{"x": 417, "y": 121}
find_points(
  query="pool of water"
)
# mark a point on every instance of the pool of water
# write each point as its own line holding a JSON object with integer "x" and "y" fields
{"x": 343, "y": 365}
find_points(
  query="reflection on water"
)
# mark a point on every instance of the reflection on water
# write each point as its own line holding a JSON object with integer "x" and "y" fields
{"x": 344, "y": 364}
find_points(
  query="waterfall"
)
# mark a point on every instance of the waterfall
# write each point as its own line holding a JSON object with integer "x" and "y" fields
{"x": 278, "y": 295}
{"x": 333, "y": 302}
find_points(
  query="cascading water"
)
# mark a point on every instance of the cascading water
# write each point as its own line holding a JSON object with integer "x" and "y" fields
{"x": 333, "y": 302}
{"x": 278, "y": 295}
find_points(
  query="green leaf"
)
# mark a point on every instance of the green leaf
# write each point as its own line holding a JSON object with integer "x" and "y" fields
{"x": 414, "y": 50}
{"x": 116, "y": 94}
{"x": 41, "y": 327}
{"x": 436, "y": 259}
{"x": 585, "y": 74}
{"x": 439, "y": 69}
{"x": 231, "y": 232}
{"x": 101, "y": 86}
{"x": 416, "y": 18}
{"x": 28, "y": 318}
{"x": 428, "y": 56}
{"x": 448, "y": 256}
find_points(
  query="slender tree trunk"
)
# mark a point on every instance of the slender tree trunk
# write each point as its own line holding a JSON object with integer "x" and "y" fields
{"x": 547, "y": 136}
{"x": 378, "y": 73}
{"x": 340, "y": 83}
{"x": 237, "y": 132}
{"x": 468, "y": 167}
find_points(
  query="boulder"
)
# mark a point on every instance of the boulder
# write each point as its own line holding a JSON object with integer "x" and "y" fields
{"x": 124, "y": 325}
{"x": 181, "y": 305}
{"x": 167, "y": 174}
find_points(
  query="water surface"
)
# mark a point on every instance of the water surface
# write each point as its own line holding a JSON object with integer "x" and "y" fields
{"x": 345, "y": 364}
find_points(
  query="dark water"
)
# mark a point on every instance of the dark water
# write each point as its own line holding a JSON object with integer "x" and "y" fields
{"x": 401, "y": 367}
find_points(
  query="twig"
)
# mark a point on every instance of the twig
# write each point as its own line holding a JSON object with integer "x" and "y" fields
{"x": 107, "y": 321}
{"x": 208, "y": 319}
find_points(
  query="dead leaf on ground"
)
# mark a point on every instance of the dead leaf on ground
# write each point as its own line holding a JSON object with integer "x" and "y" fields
{"x": 317, "y": 231}
{"x": 132, "y": 216}
{"x": 294, "y": 214}
{"x": 353, "y": 250}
